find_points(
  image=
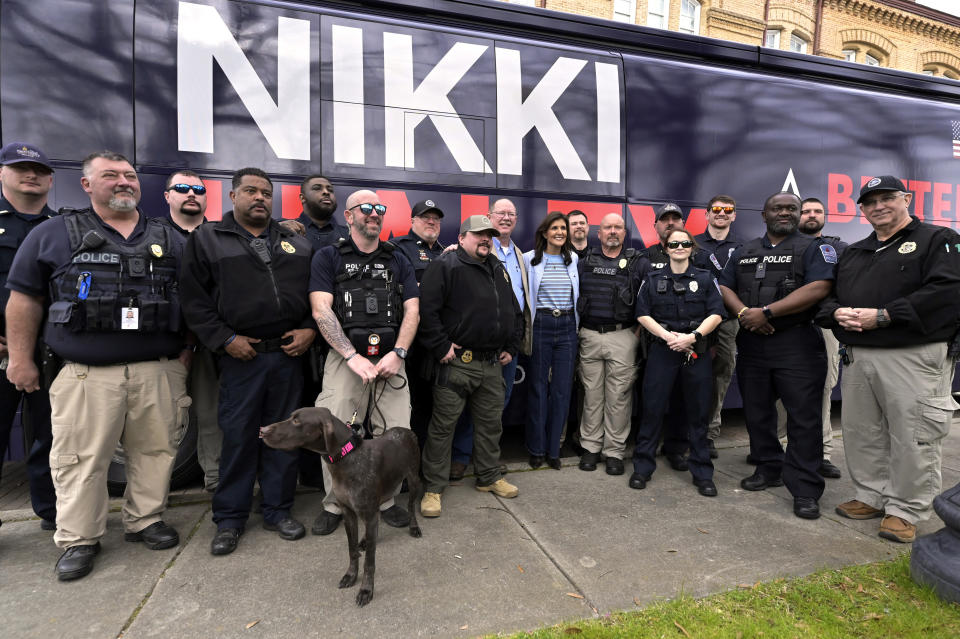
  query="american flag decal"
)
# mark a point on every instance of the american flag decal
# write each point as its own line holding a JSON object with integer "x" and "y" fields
{"x": 955, "y": 125}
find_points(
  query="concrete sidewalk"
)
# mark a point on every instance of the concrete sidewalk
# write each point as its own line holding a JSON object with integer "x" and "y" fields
{"x": 573, "y": 544}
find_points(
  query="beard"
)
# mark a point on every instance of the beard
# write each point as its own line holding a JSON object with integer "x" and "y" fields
{"x": 318, "y": 212}
{"x": 777, "y": 227}
{"x": 366, "y": 231}
{"x": 811, "y": 227}
{"x": 123, "y": 202}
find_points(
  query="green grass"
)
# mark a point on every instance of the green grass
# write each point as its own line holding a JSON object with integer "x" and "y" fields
{"x": 876, "y": 600}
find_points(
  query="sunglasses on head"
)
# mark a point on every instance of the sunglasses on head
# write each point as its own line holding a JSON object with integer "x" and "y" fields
{"x": 183, "y": 189}
{"x": 678, "y": 243}
{"x": 721, "y": 209}
{"x": 367, "y": 209}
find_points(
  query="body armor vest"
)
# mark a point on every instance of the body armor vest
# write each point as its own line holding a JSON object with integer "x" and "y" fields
{"x": 765, "y": 275}
{"x": 367, "y": 300}
{"x": 606, "y": 293}
{"x": 108, "y": 289}
{"x": 679, "y": 304}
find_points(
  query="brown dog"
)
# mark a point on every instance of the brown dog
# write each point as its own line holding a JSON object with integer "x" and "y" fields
{"x": 365, "y": 473}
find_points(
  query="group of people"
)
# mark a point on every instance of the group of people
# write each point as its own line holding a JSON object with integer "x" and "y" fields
{"x": 129, "y": 324}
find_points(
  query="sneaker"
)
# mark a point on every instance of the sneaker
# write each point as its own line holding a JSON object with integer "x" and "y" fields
{"x": 855, "y": 509}
{"x": 897, "y": 529}
{"x": 500, "y": 488}
{"x": 430, "y": 505}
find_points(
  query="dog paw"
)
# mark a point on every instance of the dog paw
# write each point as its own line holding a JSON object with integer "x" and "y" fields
{"x": 348, "y": 580}
{"x": 364, "y": 597}
{"x": 415, "y": 531}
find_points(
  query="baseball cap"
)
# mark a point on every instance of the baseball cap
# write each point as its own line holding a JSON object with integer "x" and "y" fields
{"x": 881, "y": 183}
{"x": 422, "y": 207}
{"x": 17, "y": 152}
{"x": 669, "y": 207}
{"x": 478, "y": 224}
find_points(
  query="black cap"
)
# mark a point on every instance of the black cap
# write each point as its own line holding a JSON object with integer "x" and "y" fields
{"x": 669, "y": 207}
{"x": 17, "y": 152}
{"x": 881, "y": 183}
{"x": 422, "y": 207}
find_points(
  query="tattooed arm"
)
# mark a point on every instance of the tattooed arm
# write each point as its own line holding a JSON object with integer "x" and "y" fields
{"x": 329, "y": 326}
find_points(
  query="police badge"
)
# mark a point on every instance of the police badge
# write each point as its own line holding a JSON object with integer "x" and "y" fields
{"x": 466, "y": 357}
{"x": 288, "y": 247}
{"x": 157, "y": 250}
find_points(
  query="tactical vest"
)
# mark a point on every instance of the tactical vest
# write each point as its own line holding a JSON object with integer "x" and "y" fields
{"x": 608, "y": 293}
{"x": 108, "y": 290}
{"x": 680, "y": 304}
{"x": 658, "y": 257}
{"x": 367, "y": 300}
{"x": 765, "y": 275}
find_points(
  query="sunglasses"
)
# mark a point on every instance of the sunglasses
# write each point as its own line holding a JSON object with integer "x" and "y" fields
{"x": 367, "y": 209}
{"x": 722, "y": 209}
{"x": 183, "y": 189}
{"x": 678, "y": 243}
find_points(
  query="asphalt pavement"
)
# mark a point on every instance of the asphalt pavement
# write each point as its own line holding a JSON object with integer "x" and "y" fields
{"x": 573, "y": 545}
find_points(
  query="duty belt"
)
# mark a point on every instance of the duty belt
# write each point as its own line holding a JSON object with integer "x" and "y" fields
{"x": 608, "y": 328}
{"x": 556, "y": 312}
{"x": 271, "y": 345}
{"x": 467, "y": 355}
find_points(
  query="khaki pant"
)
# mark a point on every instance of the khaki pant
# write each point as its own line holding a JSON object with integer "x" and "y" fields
{"x": 897, "y": 409}
{"x": 724, "y": 361}
{"x": 142, "y": 405}
{"x": 204, "y": 385}
{"x": 833, "y": 374}
{"x": 607, "y": 370}
{"x": 343, "y": 390}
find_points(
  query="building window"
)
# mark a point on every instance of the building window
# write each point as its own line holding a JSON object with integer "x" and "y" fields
{"x": 929, "y": 72}
{"x": 850, "y": 55}
{"x": 526, "y": 3}
{"x": 772, "y": 38}
{"x": 797, "y": 44}
{"x": 658, "y": 13}
{"x": 690, "y": 16}
{"x": 870, "y": 60}
{"x": 624, "y": 10}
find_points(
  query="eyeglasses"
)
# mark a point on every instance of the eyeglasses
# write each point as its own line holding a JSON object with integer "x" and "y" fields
{"x": 678, "y": 243}
{"x": 884, "y": 199}
{"x": 504, "y": 213}
{"x": 368, "y": 209}
{"x": 722, "y": 209}
{"x": 183, "y": 189}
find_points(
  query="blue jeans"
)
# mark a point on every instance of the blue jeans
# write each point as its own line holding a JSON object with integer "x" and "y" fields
{"x": 463, "y": 436}
{"x": 548, "y": 398}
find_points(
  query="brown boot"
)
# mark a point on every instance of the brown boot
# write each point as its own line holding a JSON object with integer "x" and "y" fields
{"x": 897, "y": 529}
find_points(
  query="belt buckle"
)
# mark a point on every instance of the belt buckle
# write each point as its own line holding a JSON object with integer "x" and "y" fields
{"x": 466, "y": 356}
{"x": 556, "y": 312}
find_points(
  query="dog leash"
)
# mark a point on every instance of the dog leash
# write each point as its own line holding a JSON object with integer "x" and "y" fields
{"x": 372, "y": 405}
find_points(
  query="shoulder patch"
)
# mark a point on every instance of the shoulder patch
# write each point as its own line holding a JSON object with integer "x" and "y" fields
{"x": 829, "y": 253}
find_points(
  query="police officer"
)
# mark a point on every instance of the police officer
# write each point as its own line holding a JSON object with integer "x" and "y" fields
{"x": 105, "y": 278}
{"x": 366, "y": 302}
{"x": 244, "y": 295}
{"x": 319, "y": 204}
{"x": 421, "y": 246}
{"x": 895, "y": 307}
{"x": 772, "y": 284}
{"x": 186, "y": 198}
{"x": 25, "y": 181}
{"x": 812, "y": 219}
{"x": 473, "y": 326}
{"x": 679, "y": 306}
{"x": 610, "y": 277}
{"x": 716, "y": 245}
{"x": 669, "y": 218}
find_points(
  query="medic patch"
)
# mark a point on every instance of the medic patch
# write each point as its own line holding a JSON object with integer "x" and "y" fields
{"x": 829, "y": 253}
{"x": 288, "y": 247}
{"x": 873, "y": 182}
{"x": 907, "y": 247}
{"x": 157, "y": 250}
{"x": 694, "y": 287}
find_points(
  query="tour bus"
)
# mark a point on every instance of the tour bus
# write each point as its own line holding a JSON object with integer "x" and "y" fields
{"x": 464, "y": 102}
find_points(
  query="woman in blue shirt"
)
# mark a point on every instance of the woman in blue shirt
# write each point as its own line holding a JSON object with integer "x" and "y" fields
{"x": 554, "y": 289}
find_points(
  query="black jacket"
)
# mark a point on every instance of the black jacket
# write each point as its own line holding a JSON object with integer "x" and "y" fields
{"x": 469, "y": 303}
{"x": 227, "y": 288}
{"x": 915, "y": 276}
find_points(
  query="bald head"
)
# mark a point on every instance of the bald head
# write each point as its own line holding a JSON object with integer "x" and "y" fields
{"x": 612, "y": 233}
{"x": 361, "y": 196}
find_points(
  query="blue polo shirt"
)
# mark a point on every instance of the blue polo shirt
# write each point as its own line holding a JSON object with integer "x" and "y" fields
{"x": 510, "y": 258}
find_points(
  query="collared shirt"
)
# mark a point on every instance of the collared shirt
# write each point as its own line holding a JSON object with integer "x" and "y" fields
{"x": 14, "y": 227}
{"x": 713, "y": 253}
{"x": 321, "y": 236}
{"x": 510, "y": 258}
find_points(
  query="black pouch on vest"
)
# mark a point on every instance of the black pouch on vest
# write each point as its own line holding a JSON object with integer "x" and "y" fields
{"x": 108, "y": 315}
{"x": 154, "y": 314}
{"x": 372, "y": 342}
{"x": 63, "y": 313}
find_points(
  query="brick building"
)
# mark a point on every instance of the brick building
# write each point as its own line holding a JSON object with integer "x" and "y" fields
{"x": 899, "y": 34}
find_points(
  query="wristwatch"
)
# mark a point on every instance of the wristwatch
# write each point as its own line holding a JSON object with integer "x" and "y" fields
{"x": 401, "y": 352}
{"x": 767, "y": 312}
{"x": 882, "y": 320}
